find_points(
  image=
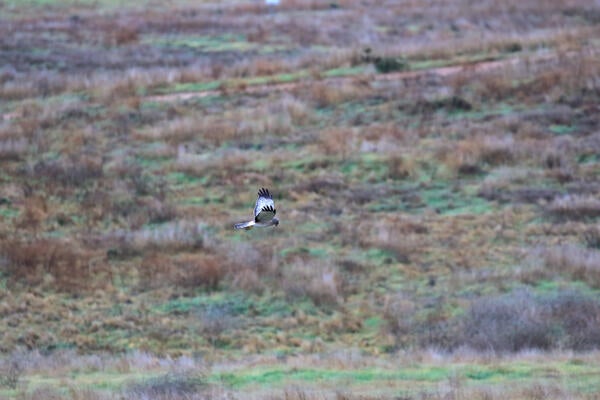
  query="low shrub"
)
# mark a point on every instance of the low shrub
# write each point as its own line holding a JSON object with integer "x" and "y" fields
{"x": 385, "y": 65}
{"x": 184, "y": 271}
{"x": 574, "y": 261}
{"x": 11, "y": 370}
{"x": 591, "y": 237}
{"x": 523, "y": 320}
{"x": 511, "y": 322}
{"x": 74, "y": 171}
{"x": 507, "y": 323}
{"x": 320, "y": 283}
{"x": 168, "y": 386}
{"x": 70, "y": 266}
{"x": 574, "y": 207}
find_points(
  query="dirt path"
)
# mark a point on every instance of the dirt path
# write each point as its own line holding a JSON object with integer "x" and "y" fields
{"x": 476, "y": 67}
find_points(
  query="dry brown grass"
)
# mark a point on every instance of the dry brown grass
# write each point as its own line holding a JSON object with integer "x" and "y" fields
{"x": 328, "y": 95}
{"x": 70, "y": 171}
{"x": 13, "y": 149}
{"x": 199, "y": 270}
{"x": 400, "y": 236}
{"x": 339, "y": 141}
{"x": 231, "y": 166}
{"x": 169, "y": 237}
{"x": 570, "y": 74}
{"x": 591, "y": 237}
{"x": 35, "y": 213}
{"x": 321, "y": 283}
{"x": 574, "y": 261}
{"x": 401, "y": 167}
{"x": 60, "y": 264}
{"x": 251, "y": 266}
{"x": 97, "y": 159}
{"x": 122, "y": 35}
{"x": 474, "y": 154}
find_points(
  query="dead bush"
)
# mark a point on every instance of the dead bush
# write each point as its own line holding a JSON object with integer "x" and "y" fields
{"x": 126, "y": 35}
{"x": 262, "y": 67}
{"x": 299, "y": 112}
{"x": 507, "y": 323}
{"x": 173, "y": 385}
{"x": 13, "y": 149}
{"x": 178, "y": 130}
{"x": 216, "y": 319}
{"x": 387, "y": 132}
{"x": 400, "y": 167}
{"x": 510, "y": 322}
{"x": 591, "y": 237}
{"x": 199, "y": 270}
{"x": 471, "y": 155}
{"x": 338, "y": 141}
{"x": 155, "y": 271}
{"x": 71, "y": 267}
{"x": 579, "y": 317}
{"x": 327, "y": 95}
{"x": 186, "y": 270}
{"x": 321, "y": 283}
{"x": 495, "y": 86}
{"x": 523, "y": 320}
{"x": 172, "y": 236}
{"x": 248, "y": 264}
{"x": 571, "y": 260}
{"x": 11, "y": 371}
{"x": 25, "y": 261}
{"x": 34, "y": 214}
{"x": 397, "y": 235}
{"x": 413, "y": 325}
{"x": 72, "y": 171}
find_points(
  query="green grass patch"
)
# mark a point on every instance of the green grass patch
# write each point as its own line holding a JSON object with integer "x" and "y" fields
{"x": 449, "y": 201}
{"x": 373, "y": 323}
{"x": 183, "y": 179}
{"x": 559, "y": 129}
{"x": 379, "y": 256}
{"x": 344, "y": 71}
{"x": 189, "y": 87}
{"x": 319, "y": 252}
{"x": 281, "y": 376}
{"x": 6, "y": 211}
{"x": 235, "y": 303}
{"x": 589, "y": 159}
{"x": 207, "y": 43}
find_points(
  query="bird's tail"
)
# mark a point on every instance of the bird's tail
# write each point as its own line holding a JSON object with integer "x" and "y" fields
{"x": 244, "y": 225}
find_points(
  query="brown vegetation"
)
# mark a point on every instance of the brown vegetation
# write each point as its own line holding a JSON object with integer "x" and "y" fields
{"x": 70, "y": 266}
{"x": 575, "y": 261}
{"x": 416, "y": 152}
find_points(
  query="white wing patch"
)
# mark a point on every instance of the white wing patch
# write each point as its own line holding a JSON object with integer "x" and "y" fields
{"x": 264, "y": 211}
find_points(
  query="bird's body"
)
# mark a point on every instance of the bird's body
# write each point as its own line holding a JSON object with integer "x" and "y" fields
{"x": 264, "y": 212}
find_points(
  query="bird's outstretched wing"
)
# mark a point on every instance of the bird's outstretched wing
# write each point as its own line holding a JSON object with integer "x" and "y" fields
{"x": 264, "y": 211}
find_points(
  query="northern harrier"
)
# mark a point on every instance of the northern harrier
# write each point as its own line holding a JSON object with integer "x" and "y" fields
{"x": 264, "y": 212}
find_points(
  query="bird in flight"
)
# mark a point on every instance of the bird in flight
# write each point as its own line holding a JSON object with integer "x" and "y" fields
{"x": 264, "y": 212}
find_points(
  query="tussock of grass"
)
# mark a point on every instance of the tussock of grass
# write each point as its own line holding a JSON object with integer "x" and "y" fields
{"x": 574, "y": 207}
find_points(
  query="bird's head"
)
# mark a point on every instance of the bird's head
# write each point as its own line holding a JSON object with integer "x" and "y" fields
{"x": 275, "y": 221}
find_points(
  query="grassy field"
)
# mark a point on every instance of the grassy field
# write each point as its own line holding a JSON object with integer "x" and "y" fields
{"x": 435, "y": 167}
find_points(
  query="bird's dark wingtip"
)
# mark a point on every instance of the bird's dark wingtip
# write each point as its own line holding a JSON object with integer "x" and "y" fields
{"x": 264, "y": 193}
